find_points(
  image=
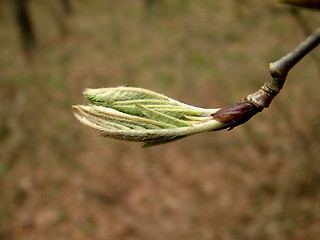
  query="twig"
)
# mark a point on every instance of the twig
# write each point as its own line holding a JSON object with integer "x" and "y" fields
{"x": 241, "y": 112}
{"x": 305, "y": 27}
{"x": 281, "y": 67}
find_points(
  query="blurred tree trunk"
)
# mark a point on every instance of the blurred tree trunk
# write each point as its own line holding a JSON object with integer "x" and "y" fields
{"x": 24, "y": 24}
{"x": 152, "y": 5}
{"x": 66, "y": 4}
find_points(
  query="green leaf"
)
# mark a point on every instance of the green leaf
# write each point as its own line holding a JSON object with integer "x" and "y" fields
{"x": 136, "y": 114}
{"x": 126, "y": 99}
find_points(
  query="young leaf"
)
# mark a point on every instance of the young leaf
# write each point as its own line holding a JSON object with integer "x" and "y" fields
{"x": 136, "y": 114}
{"x": 126, "y": 99}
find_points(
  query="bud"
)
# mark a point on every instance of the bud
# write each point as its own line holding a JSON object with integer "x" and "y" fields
{"x": 136, "y": 114}
{"x": 236, "y": 114}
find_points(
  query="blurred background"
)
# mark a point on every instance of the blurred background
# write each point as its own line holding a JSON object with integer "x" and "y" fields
{"x": 61, "y": 180}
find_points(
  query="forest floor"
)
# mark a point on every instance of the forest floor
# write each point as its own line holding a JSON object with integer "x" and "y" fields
{"x": 61, "y": 180}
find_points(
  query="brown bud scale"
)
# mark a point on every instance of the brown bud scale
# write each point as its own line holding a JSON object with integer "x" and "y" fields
{"x": 235, "y": 114}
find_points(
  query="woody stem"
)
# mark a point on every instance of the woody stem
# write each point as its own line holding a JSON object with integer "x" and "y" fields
{"x": 280, "y": 69}
{"x": 241, "y": 112}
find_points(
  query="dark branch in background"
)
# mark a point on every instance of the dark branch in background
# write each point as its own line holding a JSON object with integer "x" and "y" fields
{"x": 67, "y": 8}
{"x": 153, "y": 5}
{"x": 313, "y": 4}
{"x": 59, "y": 12}
{"x": 241, "y": 112}
{"x": 24, "y": 24}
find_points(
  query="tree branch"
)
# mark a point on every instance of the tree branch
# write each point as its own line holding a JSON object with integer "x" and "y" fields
{"x": 281, "y": 67}
{"x": 261, "y": 99}
{"x": 306, "y": 30}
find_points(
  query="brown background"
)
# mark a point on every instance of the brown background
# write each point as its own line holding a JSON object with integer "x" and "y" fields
{"x": 61, "y": 180}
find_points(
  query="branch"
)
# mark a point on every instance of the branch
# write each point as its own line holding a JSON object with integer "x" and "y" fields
{"x": 281, "y": 67}
{"x": 305, "y": 28}
{"x": 261, "y": 99}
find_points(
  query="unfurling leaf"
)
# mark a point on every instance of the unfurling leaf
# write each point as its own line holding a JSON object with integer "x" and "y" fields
{"x": 136, "y": 114}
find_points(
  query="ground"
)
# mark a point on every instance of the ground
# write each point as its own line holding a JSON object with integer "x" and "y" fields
{"x": 61, "y": 180}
